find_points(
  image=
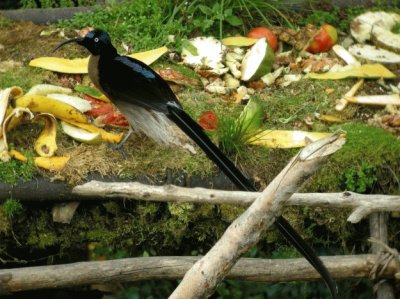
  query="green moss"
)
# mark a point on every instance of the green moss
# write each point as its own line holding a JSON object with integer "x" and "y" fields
{"x": 11, "y": 207}
{"x": 372, "y": 146}
{"x": 13, "y": 170}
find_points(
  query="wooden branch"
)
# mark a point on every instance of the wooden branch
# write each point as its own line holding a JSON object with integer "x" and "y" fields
{"x": 361, "y": 204}
{"x": 378, "y": 230}
{"x": 201, "y": 280}
{"x": 146, "y": 268}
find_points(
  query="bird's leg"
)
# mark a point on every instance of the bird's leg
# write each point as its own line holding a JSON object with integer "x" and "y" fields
{"x": 120, "y": 146}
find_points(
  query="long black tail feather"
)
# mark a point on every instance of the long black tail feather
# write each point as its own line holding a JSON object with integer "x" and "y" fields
{"x": 196, "y": 133}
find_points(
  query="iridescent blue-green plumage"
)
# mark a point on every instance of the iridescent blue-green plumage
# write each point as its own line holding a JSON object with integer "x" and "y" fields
{"x": 149, "y": 103}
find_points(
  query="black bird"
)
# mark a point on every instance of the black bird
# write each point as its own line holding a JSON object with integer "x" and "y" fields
{"x": 150, "y": 105}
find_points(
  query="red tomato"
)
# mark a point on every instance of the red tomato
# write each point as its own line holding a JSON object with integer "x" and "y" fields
{"x": 208, "y": 121}
{"x": 260, "y": 32}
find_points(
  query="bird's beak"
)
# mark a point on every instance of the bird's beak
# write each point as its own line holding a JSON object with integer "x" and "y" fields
{"x": 77, "y": 40}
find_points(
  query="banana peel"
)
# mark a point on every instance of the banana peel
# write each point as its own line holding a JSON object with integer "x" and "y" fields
{"x": 49, "y": 163}
{"x": 46, "y": 145}
{"x": 105, "y": 136}
{"x": 376, "y": 70}
{"x": 4, "y": 155}
{"x": 285, "y": 138}
{"x": 60, "y": 110}
{"x": 80, "y": 65}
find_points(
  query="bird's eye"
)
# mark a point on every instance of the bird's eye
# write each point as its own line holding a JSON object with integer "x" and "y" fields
{"x": 96, "y": 40}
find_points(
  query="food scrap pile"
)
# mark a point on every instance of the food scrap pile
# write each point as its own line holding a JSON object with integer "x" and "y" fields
{"x": 234, "y": 68}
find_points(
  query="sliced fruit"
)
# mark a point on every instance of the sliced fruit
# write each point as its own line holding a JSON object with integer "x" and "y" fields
{"x": 208, "y": 121}
{"x": 342, "y": 103}
{"x": 80, "y": 65}
{"x": 76, "y": 102}
{"x": 258, "y": 61}
{"x": 384, "y": 38}
{"x": 148, "y": 57}
{"x": 379, "y": 100}
{"x": 345, "y": 55}
{"x": 364, "y": 71}
{"x": 239, "y": 41}
{"x": 106, "y": 136}
{"x": 372, "y": 53}
{"x": 203, "y": 51}
{"x": 45, "y": 89}
{"x": 324, "y": 40}
{"x": 81, "y": 134}
{"x": 46, "y": 145}
{"x": 62, "y": 65}
{"x": 361, "y": 27}
{"x": 286, "y": 139}
{"x": 48, "y": 105}
{"x": 260, "y": 32}
{"x": 251, "y": 117}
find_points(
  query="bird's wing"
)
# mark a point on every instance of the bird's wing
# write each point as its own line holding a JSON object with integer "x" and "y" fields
{"x": 125, "y": 79}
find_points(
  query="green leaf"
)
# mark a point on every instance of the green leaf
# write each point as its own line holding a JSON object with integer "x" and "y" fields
{"x": 228, "y": 12}
{"x": 88, "y": 90}
{"x": 205, "y": 9}
{"x": 234, "y": 21}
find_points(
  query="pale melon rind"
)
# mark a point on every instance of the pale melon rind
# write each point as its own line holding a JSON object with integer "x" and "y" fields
{"x": 258, "y": 61}
{"x": 372, "y": 53}
{"x": 386, "y": 39}
{"x": 361, "y": 27}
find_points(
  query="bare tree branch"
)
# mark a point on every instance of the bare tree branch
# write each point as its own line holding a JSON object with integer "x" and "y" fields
{"x": 201, "y": 280}
{"x": 145, "y": 268}
{"x": 361, "y": 204}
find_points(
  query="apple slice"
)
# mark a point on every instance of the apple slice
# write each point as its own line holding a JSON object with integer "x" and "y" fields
{"x": 81, "y": 134}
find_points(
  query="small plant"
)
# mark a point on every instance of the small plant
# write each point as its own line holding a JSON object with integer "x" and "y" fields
{"x": 234, "y": 134}
{"x": 216, "y": 14}
{"x": 11, "y": 207}
{"x": 360, "y": 179}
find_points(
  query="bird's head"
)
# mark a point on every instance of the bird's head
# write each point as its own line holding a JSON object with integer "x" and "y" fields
{"x": 96, "y": 42}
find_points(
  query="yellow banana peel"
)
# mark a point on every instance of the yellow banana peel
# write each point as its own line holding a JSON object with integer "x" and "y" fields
{"x": 106, "y": 136}
{"x": 52, "y": 163}
{"x": 44, "y": 104}
{"x": 285, "y": 138}
{"x": 46, "y": 145}
{"x": 49, "y": 163}
{"x": 5, "y": 96}
{"x": 80, "y": 65}
{"x": 238, "y": 41}
{"x": 4, "y": 155}
{"x": 376, "y": 70}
